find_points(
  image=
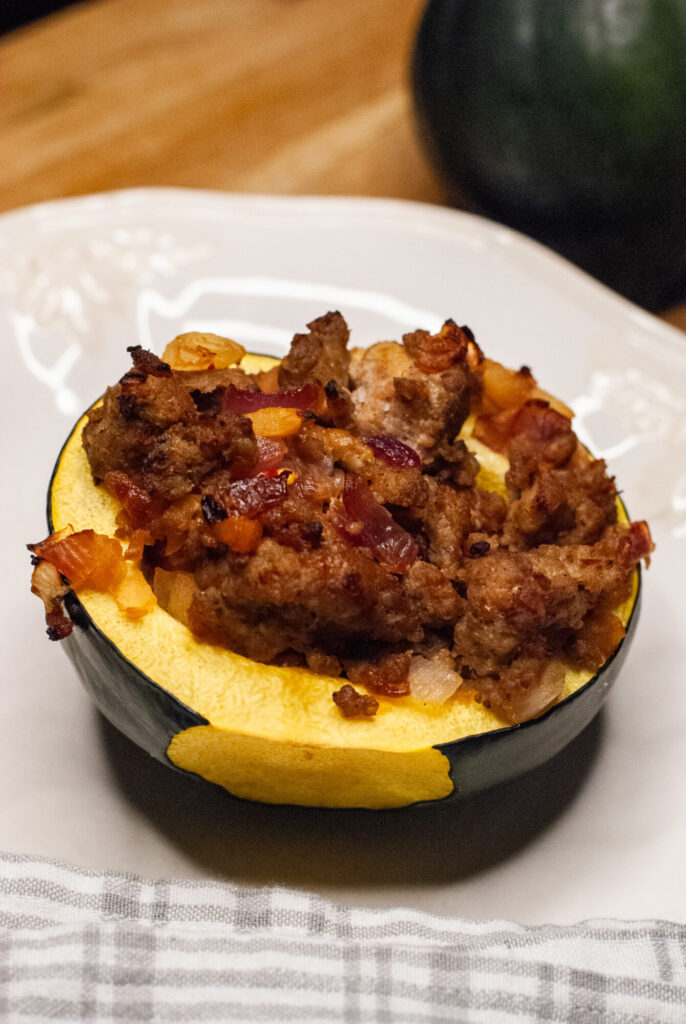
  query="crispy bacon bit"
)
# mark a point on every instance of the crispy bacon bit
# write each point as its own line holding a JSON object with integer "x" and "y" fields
{"x": 434, "y": 353}
{"x": 634, "y": 544}
{"x": 277, "y": 422}
{"x": 242, "y": 401}
{"x": 147, "y": 363}
{"x": 393, "y": 452}
{"x": 84, "y": 558}
{"x": 213, "y": 511}
{"x": 366, "y": 523}
{"x": 241, "y": 534}
{"x": 256, "y": 494}
{"x": 352, "y": 704}
{"x": 535, "y": 429}
{"x": 138, "y": 504}
{"x": 388, "y": 675}
{"x": 202, "y": 351}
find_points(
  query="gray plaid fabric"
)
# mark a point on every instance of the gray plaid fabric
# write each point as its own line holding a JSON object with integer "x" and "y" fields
{"x": 79, "y": 945}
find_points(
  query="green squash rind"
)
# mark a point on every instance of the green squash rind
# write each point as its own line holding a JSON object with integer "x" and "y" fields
{"x": 565, "y": 120}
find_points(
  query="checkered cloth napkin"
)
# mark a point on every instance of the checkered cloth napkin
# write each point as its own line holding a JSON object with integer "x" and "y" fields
{"x": 79, "y": 945}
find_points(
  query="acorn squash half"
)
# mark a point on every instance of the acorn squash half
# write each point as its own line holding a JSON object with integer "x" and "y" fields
{"x": 565, "y": 120}
{"x": 273, "y": 734}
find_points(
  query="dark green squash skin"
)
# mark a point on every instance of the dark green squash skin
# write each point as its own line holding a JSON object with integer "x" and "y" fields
{"x": 133, "y": 702}
{"x": 566, "y": 120}
{"x": 151, "y": 716}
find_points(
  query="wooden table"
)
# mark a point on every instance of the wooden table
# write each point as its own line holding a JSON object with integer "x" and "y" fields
{"x": 283, "y": 96}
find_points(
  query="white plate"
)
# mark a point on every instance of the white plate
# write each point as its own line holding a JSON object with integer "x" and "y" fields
{"x": 601, "y": 830}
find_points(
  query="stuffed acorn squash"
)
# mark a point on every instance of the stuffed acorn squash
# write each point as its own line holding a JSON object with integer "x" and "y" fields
{"x": 293, "y": 581}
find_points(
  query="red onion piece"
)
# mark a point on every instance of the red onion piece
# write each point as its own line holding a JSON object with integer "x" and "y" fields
{"x": 366, "y": 523}
{"x": 241, "y": 401}
{"x": 393, "y": 452}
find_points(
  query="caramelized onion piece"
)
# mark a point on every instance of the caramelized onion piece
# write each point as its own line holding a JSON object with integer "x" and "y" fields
{"x": 88, "y": 559}
{"x": 365, "y": 523}
{"x": 83, "y": 558}
{"x": 202, "y": 351}
{"x": 241, "y": 401}
{"x": 136, "y": 545}
{"x": 434, "y": 353}
{"x": 504, "y": 388}
{"x": 393, "y": 452}
{"x": 634, "y": 544}
{"x": 48, "y": 586}
{"x": 175, "y": 523}
{"x": 134, "y": 595}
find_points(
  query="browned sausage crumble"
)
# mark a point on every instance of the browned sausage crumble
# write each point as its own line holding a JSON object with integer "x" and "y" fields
{"x": 323, "y": 514}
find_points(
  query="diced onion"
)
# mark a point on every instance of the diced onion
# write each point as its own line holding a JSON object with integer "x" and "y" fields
{"x": 174, "y": 591}
{"x": 134, "y": 595}
{"x": 433, "y": 680}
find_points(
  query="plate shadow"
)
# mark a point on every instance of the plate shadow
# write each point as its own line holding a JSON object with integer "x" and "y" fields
{"x": 298, "y": 846}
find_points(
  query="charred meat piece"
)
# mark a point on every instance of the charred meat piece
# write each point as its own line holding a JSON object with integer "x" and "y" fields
{"x": 321, "y": 356}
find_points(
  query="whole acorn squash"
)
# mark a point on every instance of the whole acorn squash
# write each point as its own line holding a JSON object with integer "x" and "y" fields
{"x": 565, "y": 119}
{"x": 273, "y": 734}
